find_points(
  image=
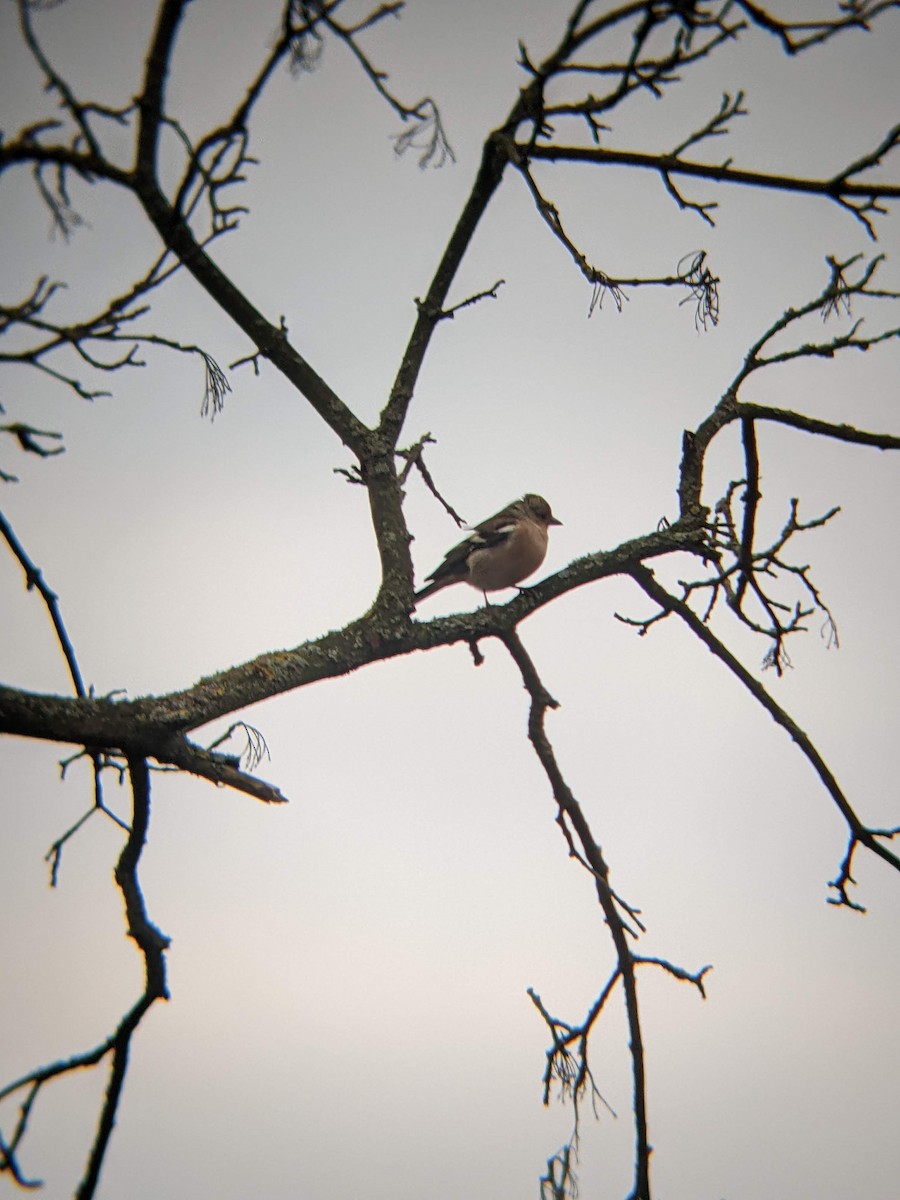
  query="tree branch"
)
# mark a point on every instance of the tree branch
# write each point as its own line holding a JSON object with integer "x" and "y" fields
{"x": 152, "y": 945}
{"x": 571, "y": 814}
{"x": 859, "y": 833}
{"x": 838, "y": 188}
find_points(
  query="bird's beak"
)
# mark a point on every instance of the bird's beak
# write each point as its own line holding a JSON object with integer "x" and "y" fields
{"x": 553, "y": 521}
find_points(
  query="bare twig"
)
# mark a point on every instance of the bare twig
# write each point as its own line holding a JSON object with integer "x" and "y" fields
{"x": 34, "y": 579}
{"x": 449, "y": 313}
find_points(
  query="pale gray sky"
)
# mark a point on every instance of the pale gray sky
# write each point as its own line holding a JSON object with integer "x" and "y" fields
{"x": 349, "y": 1014}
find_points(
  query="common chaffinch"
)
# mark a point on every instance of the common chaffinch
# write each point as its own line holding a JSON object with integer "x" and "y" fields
{"x": 500, "y": 552}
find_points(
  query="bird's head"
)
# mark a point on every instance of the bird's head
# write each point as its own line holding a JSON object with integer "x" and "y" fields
{"x": 539, "y": 510}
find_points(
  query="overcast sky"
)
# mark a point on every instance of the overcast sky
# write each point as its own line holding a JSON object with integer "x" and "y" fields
{"x": 349, "y": 1013}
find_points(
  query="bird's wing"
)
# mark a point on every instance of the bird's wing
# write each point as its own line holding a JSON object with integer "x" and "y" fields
{"x": 496, "y": 529}
{"x": 492, "y": 532}
{"x": 454, "y": 562}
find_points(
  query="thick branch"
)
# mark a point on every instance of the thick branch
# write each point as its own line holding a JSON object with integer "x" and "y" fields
{"x": 270, "y": 340}
{"x": 147, "y": 725}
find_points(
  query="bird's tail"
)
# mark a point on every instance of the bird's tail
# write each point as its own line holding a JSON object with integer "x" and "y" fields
{"x": 430, "y": 588}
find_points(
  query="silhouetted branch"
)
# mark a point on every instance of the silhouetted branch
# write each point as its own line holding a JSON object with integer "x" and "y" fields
{"x": 221, "y": 769}
{"x": 152, "y": 945}
{"x": 180, "y": 181}
{"x": 34, "y": 580}
{"x": 107, "y": 327}
{"x": 796, "y": 36}
{"x": 425, "y": 131}
{"x": 256, "y": 748}
{"x": 844, "y": 878}
{"x": 29, "y": 439}
{"x": 739, "y": 567}
{"x": 679, "y": 973}
{"x": 856, "y": 197}
{"x": 450, "y": 313}
{"x": 78, "y": 112}
{"x": 572, "y": 1070}
{"x": 571, "y": 815}
{"x": 859, "y": 832}
{"x": 838, "y": 295}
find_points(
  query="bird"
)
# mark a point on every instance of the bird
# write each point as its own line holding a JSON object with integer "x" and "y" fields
{"x": 498, "y": 553}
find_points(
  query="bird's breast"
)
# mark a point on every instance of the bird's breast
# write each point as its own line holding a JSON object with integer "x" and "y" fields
{"x": 505, "y": 565}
